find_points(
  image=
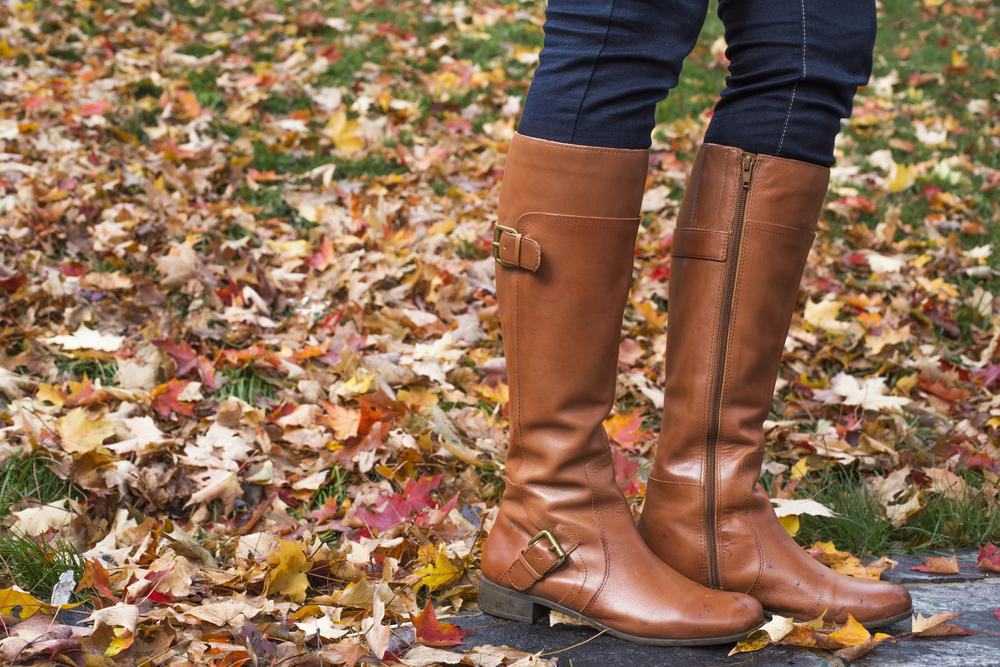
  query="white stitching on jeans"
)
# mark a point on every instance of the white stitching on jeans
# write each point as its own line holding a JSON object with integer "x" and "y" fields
{"x": 795, "y": 87}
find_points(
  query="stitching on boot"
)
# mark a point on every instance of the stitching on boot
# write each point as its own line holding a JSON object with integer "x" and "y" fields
{"x": 604, "y": 540}
{"x": 747, "y": 497}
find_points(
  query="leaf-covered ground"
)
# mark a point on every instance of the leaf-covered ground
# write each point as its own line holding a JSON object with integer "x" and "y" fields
{"x": 252, "y": 395}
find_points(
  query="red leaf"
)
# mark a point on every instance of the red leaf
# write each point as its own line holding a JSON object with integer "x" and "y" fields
{"x": 626, "y": 473}
{"x": 13, "y": 283}
{"x": 989, "y": 558}
{"x": 432, "y": 632}
{"x": 395, "y": 508}
{"x": 165, "y": 399}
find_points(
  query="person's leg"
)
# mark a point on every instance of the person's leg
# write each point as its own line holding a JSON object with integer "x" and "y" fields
{"x": 604, "y": 66}
{"x": 795, "y": 66}
{"x": 743, "y": 234}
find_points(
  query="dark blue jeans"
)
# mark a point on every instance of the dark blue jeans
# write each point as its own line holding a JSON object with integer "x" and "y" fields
{"x": 795, "y": 66}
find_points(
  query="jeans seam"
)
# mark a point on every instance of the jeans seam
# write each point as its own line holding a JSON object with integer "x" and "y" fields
{"x": 795, "y": 86}
{"x": 593, "y": 70}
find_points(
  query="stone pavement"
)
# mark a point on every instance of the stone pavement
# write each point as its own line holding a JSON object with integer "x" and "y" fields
{"x": 972, "y": 592}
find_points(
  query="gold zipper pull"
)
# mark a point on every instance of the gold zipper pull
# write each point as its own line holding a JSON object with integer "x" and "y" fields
{"x": 747, "y": 170}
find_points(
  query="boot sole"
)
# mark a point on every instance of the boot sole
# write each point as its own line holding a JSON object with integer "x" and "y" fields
{"x": 503, "y": 602}
{"x": 878, "y": 623}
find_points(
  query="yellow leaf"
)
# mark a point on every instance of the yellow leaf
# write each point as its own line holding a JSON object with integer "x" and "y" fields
{"x": 902, "y": 178}
{"x": 11, "y": 598}
{"x": 653, "y": 317}
{"x": 800, "y": 469}
{"x": 289, "y": 566}
{"x": 817, "y": 623}
{"x": 345, "y": 134}
{"x": 851, "y": 634}
{"x": 438, "y": 569}
{"x": 497, "y": 394}
{"x": 121, "y": 641}
{"x": 52, "y": 394}
{"x": 790, "y": 524}
{"x": 756, "y": 641}
{"x": 82, "y": 433}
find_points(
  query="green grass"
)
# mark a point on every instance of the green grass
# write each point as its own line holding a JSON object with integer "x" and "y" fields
{"x": 104, "y": 371}
{"x": 247, "y": 384}
{"x": 208, "y": 94}
{"x": 861, "y": 525}
{"x": 31, "y": 477}
{"x": 35, "y": 566}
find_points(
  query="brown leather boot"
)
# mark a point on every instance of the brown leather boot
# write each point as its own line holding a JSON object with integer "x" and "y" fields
{"x": 745, "y": 228}
{"x": 564, "y": 537}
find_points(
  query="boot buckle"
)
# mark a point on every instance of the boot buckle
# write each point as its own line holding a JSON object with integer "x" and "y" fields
{"x": 553, "y": 546}
{"x": 498, "y": 232}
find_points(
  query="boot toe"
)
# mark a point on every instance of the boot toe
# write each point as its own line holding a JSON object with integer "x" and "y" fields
{"x": 730, "y": 614}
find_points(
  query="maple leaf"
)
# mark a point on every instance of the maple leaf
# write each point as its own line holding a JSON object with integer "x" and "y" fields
{"x": 165, "y": 399}
{"x": 85, "y": 338}
{"x": 96, "y": 577}
{"x": 939, "y": 565}
{"x": 851, "y": 633}
{"x": 345, "y": 134}
{"x": 432, "y": 632}
{"x": 25, "y": 603}
{"x": 989, "y": 558}
{"x": 80, "y": 432}
{"x": 289, "y": 566}
{"x": 395, "y": 508}
{"x": 35, "y": 521}
{"x": 437, "y": 569}
{"x": 627, "y": 429}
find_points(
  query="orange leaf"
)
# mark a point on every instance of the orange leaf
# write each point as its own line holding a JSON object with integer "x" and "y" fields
{"x": 627, "y": 429}
{"x": 939, "y": 565}
{"x": 188, "y": 103}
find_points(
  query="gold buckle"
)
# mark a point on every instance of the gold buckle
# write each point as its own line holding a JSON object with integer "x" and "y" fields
{"x": 498, "y": 231}
{"x": 553, "y": 546}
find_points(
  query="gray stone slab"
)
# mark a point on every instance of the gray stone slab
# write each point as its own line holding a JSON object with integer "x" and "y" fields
{"x": 975, "y": 600}
{"x": 968, "y": 570}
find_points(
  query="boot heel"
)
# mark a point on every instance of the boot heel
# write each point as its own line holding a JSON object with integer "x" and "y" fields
{"x": 506, "y": 603}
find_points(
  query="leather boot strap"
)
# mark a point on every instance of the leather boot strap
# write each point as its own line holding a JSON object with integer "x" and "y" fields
{"x": 513, "y": 249}
{"x": 543, "y": 554}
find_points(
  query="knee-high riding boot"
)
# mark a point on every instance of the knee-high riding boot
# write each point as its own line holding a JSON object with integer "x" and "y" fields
{"x": 564, "y": 537}
{"x": 745, "y": 228}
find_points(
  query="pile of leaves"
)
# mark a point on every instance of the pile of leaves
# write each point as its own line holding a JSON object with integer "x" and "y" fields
{"x": 252, "y": 393}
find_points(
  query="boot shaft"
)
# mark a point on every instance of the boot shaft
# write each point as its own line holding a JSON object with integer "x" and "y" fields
{"x": 568, "y": 222}
{"x": 743, "y": 234}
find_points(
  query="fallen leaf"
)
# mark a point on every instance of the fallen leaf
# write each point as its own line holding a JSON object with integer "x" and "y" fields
{"x": 289, "y": 566}
{"x": 938, "y": 565}
{"x": 437, "y": 570}
{"x": 989, "y": 558}
{"x": 80, "y": 432}
{"x": 85, "y": 338}
{"x": 432, "y": 632}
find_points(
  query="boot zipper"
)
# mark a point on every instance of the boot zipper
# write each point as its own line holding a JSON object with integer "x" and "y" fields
{"x": 715, "y": 414}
